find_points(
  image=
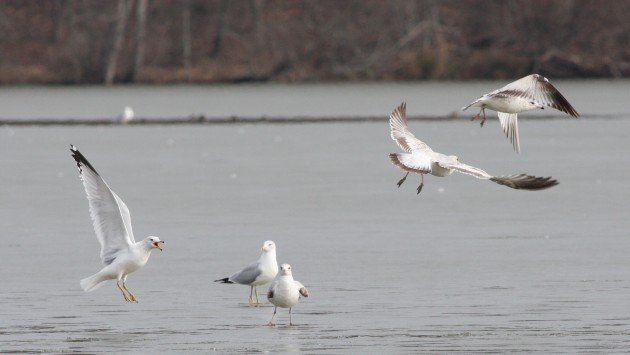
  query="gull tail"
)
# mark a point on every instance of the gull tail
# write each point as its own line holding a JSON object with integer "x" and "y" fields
{"x": 525, "y": 182}
{"x": 471, "y": 104}
{"x": 93, "y": 282}
{"x": 224, "y": 280}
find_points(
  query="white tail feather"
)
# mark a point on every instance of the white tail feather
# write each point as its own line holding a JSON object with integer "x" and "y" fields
{"x": 93, "y": 282}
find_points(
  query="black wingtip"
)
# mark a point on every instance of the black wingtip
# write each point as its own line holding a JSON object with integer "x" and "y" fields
{"x": 224, "y": 280}
{"x": 559, "y": 101}
{"x": 80, "y": 159}
{"x": 525, "y": 182}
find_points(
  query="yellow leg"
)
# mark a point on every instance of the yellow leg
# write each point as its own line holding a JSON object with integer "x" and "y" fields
{"x": 132, "y": 298}
{"x": 123, "y": 292}
{"x": 256, "y": 292}
{"x": 251, "y": 298}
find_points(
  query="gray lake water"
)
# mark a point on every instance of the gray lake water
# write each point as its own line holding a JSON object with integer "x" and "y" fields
{"x": 590, "y": 98}
{"x": 467, "y": 265}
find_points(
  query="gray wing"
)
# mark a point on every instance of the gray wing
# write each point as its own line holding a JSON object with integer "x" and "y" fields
{"x": 538, "y": 88}
{"x": 517, "y": 181}
{"x": 451, "y": 162}
{"x": 110, "y": 215}
{"x": 248, "y": 275}
{"x": 400, "y": 132}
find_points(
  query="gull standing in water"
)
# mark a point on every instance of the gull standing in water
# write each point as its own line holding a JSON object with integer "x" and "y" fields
{"x": 258, "y": 273}
{"x": 285, "y": 292}
{"x": 127, "y": 115}
{"x": 528, "y": 93}
{"x": 120, "y": 253}
{"x": 421, "y": 159}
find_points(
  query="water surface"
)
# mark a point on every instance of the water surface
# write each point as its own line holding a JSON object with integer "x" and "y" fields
{"x": 590, "y": 97}
{"x": 467, "y": 265}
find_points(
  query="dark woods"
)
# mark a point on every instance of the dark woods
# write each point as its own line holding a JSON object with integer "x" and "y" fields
{"x": 143, "y": 41}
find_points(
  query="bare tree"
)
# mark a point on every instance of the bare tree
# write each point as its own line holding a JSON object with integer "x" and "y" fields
{"x": 122, "y": 13}
{"x": 221, "y": 28}
{"x": 186, "y": 45}
{"x": 141, "y": 31}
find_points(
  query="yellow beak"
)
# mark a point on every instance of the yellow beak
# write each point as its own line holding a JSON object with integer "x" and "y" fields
{"x": 157, "y": 245}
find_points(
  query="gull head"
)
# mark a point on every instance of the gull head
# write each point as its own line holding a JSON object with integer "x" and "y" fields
{"x": 285, "y": 269}
{"x": 454, "y": 157}
{"x": 268, "y": 246}
{"x": 154, "y": 242}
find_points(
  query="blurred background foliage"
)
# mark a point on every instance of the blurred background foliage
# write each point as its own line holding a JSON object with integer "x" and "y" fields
{"x": 155, "y": 42}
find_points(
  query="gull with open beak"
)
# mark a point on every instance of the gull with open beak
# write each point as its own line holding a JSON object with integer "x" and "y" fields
{"x": 261, "y": 272}
{"x": 120, "y": 253}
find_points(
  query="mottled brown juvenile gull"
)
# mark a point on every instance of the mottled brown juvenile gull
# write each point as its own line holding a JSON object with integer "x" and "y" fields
{"x": 528, "y": 93}
{"x": 120, "y": 253}
{"x": 420, "y": 159}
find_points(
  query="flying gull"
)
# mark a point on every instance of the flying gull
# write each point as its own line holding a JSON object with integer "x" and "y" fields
{"x": 120, "y": 253}
{"x": 528, "y": 93}
{"x": 420, "y": 159}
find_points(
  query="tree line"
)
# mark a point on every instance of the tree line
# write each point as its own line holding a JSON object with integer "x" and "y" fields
{"x": 169, "y": 41}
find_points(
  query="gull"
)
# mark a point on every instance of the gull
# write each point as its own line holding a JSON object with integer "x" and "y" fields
{"x": 528, "y": 93}
{"x": 420, "y": 159}
{"x": 120, "y": 253}
{"x": 285, "y": 292}
{"x": 126, "y": 115}
{"x": 261, "y": 272}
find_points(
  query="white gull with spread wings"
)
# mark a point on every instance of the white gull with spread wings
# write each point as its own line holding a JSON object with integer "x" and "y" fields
{"x": 420, "y": 159}
{"x": 528, "y": 93}
{"x": 120, "y": 253}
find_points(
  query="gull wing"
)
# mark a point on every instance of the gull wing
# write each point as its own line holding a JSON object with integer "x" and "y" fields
{"x": 272, "y": 288}
{"x": 303, "y": 290}
{"x": 415, "y": 163}
{"x": 517, "y": 181}
{"x": 400, "y": 132}
{"x": 538, "y": 88}
{"x": 509, "y": 124}
{"x": 248, "y": 275}
{"x": 110, "y": 215}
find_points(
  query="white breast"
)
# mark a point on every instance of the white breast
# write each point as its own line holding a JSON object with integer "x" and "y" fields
{"x": 285, "y": 294}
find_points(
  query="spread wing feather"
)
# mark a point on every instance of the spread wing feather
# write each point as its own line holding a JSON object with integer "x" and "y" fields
{"x": 110, "y": 215}
{"x": 400, "y": 132}
{"x": 538, "y": 88}
{"x": 509, "y": 124}
{"x": 517, "y": 181}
